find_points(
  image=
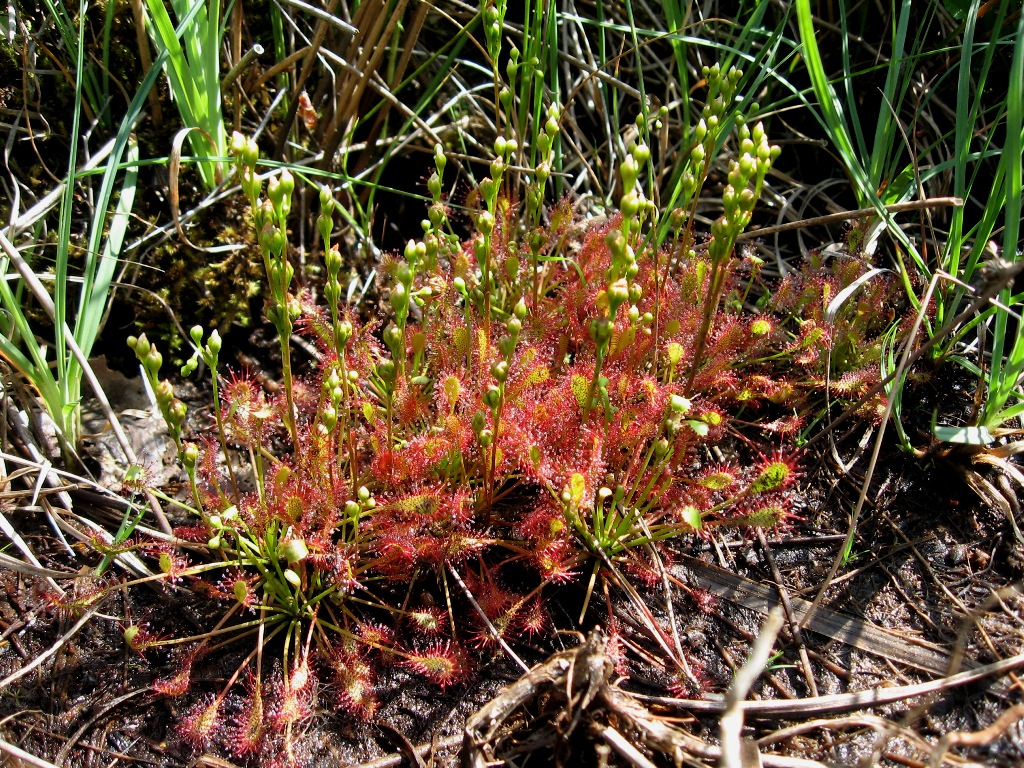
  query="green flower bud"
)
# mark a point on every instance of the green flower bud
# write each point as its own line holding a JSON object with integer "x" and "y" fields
{"x": 329, "y": 416}
{"x": 492, "y": 396}
{"x": 275, "y": 191}
{"x": 486, "y": 187}
{"x": 237, "y": 145}
{"x": 333, "y": 260}
{"x": 393, "y": 338}
{"x": 434, "y": 186}
{"x": 403, "y": 274}
{"x": 700, "y": 131}
{"x": 600, "y": 331}
{"x": 164, "y": 392}
{"x": 399, "y": 298}
{"x": 616, "y": 243}
{"x": 506, "y": 345}
{"x": 512, "y": 267}
{"x": 618, "y": 294}
{"x": 326, "y": 200}
{"x": 294, "y": 551}
{"x": 177, "y": 411}
{"x": 251, "y": 153}
{"x": 386, "y": 371}
{"x": 628, "y": 170}
{"x": 190, "y": 455}
{"x": 485, "y": 222}
{"x": 479, "y": 422}
{"x": 287, "y": 184}
{"x": 190, "y": 366}
{"x": 629, "y": 204}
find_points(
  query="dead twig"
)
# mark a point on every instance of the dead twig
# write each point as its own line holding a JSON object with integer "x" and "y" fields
{"x": 860, "y": 213}
{"x": 395, "y": 760}
{"x": 845, "y": 702}
{"x": 980, "y": 738}
{"x": 731, "y": 721}
{"x": 23, "y": 757}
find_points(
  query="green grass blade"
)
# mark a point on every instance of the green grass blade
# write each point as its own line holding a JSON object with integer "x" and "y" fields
{"x": 62, "y": 360}
{"x": 103, "y": 254}
{"x": 831, "y": 106}
{"x": 193, "y": 73}
{"x": 1005, "y": 370}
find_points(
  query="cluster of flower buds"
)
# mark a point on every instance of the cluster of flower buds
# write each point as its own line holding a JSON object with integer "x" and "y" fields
{"x": 363, "y": 504}
{"x": 706, "y": 134}
{"x": 270, "y": 217}
{"x": 633, "y": 204}
{"x": 336, "y": 382}
{"x": 494, "y": 24}
{"x": 171, "y": 408}
{"x": 436, "y": 239}
{"x": 545, "y": 141}
{"x": 209, "y": 352}
{"x": 745, "y": 180}
{"x": 221, "y": 525}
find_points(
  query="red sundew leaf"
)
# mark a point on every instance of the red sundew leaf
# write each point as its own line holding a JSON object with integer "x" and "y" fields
{"x": 179, "y": 683}
{"x": 202, "y": 722}
{"x": 534, "y": 619}
{"x": 443, "y": 663}
{"x": 775, "y": 472}
{"x": 377, "y": 637}
{"x": 767, "y": 510}
{"x": 428, "y": 621}
{"x": 245, "y": 410}
{"x": 246, "y": 733}
{"x": 557, "y": 562}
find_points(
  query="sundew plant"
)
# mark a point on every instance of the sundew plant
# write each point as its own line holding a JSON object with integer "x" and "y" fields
{"x": 541, "y": 399}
